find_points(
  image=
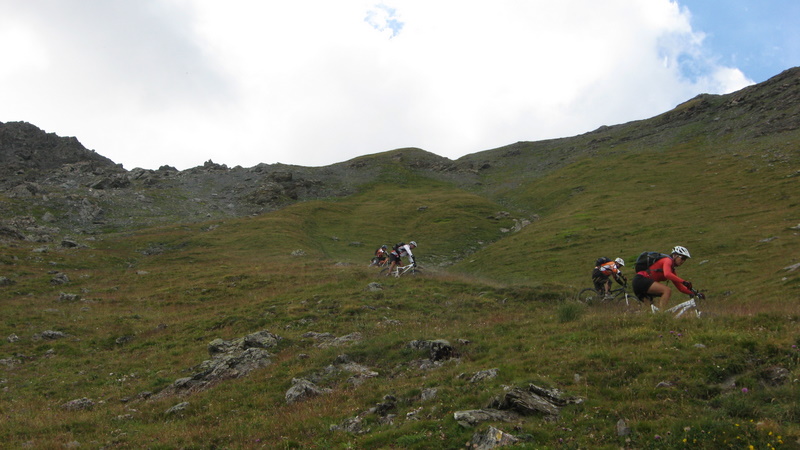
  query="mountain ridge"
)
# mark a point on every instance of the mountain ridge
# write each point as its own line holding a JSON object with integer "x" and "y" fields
{"x": 40, "y": 169}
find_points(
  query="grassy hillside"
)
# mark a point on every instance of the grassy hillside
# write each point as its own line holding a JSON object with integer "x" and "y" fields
{"x": 737, "y": 212}
{"x": 150, "y": 302}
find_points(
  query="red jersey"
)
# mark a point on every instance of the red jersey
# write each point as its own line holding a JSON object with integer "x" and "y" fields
{"x": 663, "y": 270}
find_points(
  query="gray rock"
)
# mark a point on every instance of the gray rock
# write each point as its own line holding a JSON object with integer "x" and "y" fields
{"x": 776, "y": 376}
{"x": 68, "y": 298}
{"x": 622, "y": 428}
{"x": 492, "y": 438}
{"x": 528, "y": 403}
{"x": 439, "y": 349}
{"x": 50, "y": 335}
{"x": 374, "y": 287}
{"x": 484, "y": 375}
{"x": 303, "y": 389}
{"x": 79, "y": 404}
{"x": 473, "y": 417}
{"x": 59, "y": 278}
{"x": 180, "y": 407}
{"x": 429, "y": 394}
{"x": 229, "y": 360}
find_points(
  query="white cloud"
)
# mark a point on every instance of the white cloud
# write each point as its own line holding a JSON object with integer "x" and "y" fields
{"x": 179, "y": 82}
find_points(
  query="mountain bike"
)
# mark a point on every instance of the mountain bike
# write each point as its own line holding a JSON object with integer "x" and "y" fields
{"x": 399, "y": 271}
{"x": 592, "y": 295}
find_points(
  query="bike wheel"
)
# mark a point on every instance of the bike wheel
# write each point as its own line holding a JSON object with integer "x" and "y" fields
{"x": 384, "y": 272}
{"x": 588, "y": 296}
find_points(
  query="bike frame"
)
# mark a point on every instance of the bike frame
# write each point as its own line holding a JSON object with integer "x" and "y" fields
{"x": 681, "y": 308}
{"x": 402, "y": 270}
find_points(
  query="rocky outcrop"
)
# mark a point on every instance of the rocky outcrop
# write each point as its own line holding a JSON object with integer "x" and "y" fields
{"x": 229, "y": 359}
{"x": 518, "y": 403}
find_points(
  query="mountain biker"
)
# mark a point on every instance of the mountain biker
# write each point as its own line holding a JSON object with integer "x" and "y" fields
{"x": 602, "y": 274}
{"x": 381, "y": 254}
{"x": 647, "y": 283}
{"x": 398, "y": 251}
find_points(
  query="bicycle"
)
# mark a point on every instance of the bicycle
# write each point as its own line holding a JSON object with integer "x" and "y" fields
{"x": 399, "y": 271}
{"x": 592, "y": 295}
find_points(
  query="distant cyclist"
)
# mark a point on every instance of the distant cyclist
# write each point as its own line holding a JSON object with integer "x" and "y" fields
{"x": 602, "y": 274}
{"x": 648, "y": 282}
{"x": 398, "y": 252}
{"x": 381, "y": 255}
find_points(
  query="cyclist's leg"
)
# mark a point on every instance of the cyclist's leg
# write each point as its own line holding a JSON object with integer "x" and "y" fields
{"x": 598, "y": 280}
{"x": 393, "y": 260}
{"x": 660, "y": 290}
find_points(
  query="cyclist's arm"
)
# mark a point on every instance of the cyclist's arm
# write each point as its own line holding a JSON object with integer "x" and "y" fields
{"x": 671, "y": 276}
{"x": 407, "y": 248}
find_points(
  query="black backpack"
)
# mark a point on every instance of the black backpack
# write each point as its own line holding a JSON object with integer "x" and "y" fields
{"x": 601, "y": 260}
{"x": 397, "y": 246}
{"x": 647, "y": 259}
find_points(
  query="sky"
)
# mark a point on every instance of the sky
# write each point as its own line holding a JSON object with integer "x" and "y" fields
{"x": 149, "y": 83}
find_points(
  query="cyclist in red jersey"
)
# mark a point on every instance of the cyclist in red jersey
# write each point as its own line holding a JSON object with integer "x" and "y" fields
{"x": 646, "y": 283}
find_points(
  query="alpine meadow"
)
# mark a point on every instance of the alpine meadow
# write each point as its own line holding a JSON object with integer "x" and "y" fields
{"x": 226, "y": 308}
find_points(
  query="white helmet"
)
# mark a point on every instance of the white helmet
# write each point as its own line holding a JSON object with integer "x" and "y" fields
{"x": 620, "y": 261}
{"x": 681, "y": 251}
{"x": 414, "y": 243}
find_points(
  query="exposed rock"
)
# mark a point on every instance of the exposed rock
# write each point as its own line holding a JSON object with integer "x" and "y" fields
{"x": 439, "y": 349}
{"x": 229, "y": 359}
{"x": 484, "y": 375}
{"x": 473, "y": 417}
{"x": 69, "y": 243}
{"x": 517, "y": 403}
{"x": 79, "y": 404}
{"x": 776, "y": 376}
{"x": 622, "y": 428}
{"x": 180, "y": 407}
{"x": 492, "y": 438}
{"x": 355, "y": 425}
{"x": 49, "y": 335}
{"x": 7, "y": 281}
{"x": 429, "y": 394}
{"x": 352, "y": 425}
{"x": 59, "y": 278}
{"x": 329, "y": 340}
{"x": 68, "y": 298}
{"x": 528, "y": 403}
{"x": 10, "y": 362}
{"x": 303, "y": 389}
{"x": 343, "y": 363}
